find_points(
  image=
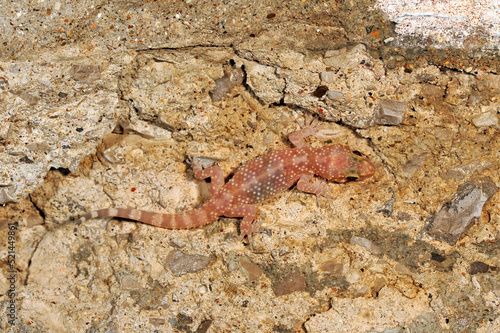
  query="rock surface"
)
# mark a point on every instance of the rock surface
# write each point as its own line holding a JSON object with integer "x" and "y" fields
{"x": 103, "y": 104}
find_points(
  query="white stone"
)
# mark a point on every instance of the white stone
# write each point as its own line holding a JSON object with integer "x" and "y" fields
{"x": 448, "y": 23}
{"x": 487, "y": 119}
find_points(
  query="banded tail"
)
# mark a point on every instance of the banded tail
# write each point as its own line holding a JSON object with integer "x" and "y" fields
{"x": 187, "y": 220}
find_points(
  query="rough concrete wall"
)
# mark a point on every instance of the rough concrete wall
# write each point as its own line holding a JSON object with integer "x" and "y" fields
{"x": 101, "y": 103}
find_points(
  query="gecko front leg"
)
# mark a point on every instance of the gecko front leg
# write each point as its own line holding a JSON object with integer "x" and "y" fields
{"x": 214, "y": 173}
{"x": 318, "y": 187}
{"x": 310, "y": 126}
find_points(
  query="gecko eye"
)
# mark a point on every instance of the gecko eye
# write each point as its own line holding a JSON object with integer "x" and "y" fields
{"x": 355, "y": 152}
{"x": 351, "y": 178}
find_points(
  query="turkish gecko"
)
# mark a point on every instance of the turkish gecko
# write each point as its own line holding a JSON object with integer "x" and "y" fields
{"x": 257, "y": 181}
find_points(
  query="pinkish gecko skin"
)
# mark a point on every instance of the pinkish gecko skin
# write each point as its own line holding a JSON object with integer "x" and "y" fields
{"x": 257, "y": 181}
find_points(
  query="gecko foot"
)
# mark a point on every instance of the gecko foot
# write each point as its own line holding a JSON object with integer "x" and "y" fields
{"x": 321, "y": 190}
{"x": 311, "y": 126}
{"x": 318, "y": 187}
{"x": 203, "y": 170}
{"x": 199, "y": 163}
{"x": 249, "y": 230}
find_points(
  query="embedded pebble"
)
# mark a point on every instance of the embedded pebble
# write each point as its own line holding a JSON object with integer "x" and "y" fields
{"x": 151, "y": 297}
{"x": 431, "y": 91}
{"x": 332, "y": 267}
{"x": 252, "y": 270}
{"x": 85, "y": 73}
{"x": 388, "y": 207}
{"x": 478, "y": 267}
{"x": 291, "y": 283}
{"x": 367, "y": 244}
{"x": 486, "y": 119}
{"x": 462, "y": 211}
{"x": 413, "y": 164}
{"x": 178, "y": 242}
{"x": 334, "y": 94}
{"x": 181, "y": 263}
{"x": 390, "y": 112}
{"x": 34, "y": 219}
{"x": 327, "y": 77}
{"x": 6, "y": 194}
{"x": 129, "y": 283}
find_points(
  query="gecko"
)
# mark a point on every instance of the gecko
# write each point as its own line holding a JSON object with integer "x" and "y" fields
{"x": 257, "y": 181}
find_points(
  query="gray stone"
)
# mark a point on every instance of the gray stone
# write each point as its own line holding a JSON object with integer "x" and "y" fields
{"x": 85, "y": 73}
{"x": 250, "y": 269}
{"x": 462, "y": 211}
{"x": 478, "y": 267}
{"x": 150, "y": 297}
{"x": 181, "y": 263}
{"x": 388, "y": 207}
{"x": 6, "y": 194}
{"x": 390, "y": 112}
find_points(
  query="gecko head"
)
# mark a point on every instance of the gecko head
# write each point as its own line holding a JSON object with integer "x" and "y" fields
{"x": 340, "y": 164}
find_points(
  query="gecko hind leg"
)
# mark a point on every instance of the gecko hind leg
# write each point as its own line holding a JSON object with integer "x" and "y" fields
{"x": 248, "y": 225}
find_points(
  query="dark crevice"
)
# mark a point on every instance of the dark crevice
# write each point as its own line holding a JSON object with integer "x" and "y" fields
{"x": 40, "y": 211}
{"x": 280, "y": 103}
{"x": 445, "y": 69}
{"x": 42, "y": 215}
{"x": 156, "y": 59}
{"x": 182, "y": 47}
{"x": 248, "y": 88}
{"x": 353, "y": 129}
{"x": 138, "y": 112}
{"x": 62, "y": 171}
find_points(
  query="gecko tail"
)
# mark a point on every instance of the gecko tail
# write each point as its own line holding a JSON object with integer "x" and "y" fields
{"x": 187, "y": 220}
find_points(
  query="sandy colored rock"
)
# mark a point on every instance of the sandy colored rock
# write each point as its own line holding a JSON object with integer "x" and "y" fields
{"x": 366, "y": 315}
{"x": 107, "y": 105}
